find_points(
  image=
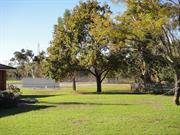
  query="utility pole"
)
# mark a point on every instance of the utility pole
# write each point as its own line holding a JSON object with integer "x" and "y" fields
{"x": 38, "y": 48}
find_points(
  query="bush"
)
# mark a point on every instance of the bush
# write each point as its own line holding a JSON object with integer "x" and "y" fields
{"x": 10, "y": 98}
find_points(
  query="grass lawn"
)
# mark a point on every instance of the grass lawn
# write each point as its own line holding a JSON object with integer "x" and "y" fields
{"x": 64, "y": 112}
{"x": 14, "y": 81}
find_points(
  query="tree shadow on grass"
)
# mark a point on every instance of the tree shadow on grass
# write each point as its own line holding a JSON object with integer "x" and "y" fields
{"x": 86, "y": 103}
{"x": 37, "y": 96}
{"x": 111, "y": 92}
{"x": 21, "y": 109}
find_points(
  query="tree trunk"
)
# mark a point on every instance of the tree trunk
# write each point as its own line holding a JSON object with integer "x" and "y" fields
{"x": 74, "y": 83}
{"x": 32, "y": 73}
{"x": 177, "y": 90}
{"x": 98, "y": 81}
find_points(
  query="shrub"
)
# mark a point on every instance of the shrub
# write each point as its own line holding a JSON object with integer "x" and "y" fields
{"x": 9, "y": 98}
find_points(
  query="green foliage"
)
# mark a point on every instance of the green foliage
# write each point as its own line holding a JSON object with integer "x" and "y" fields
{"x": 152, "y": 28}
{"x": 60, "y": 61}
{"x": 83, "y": 41}
{"x": 148, "y": 29}
{"x": 27, "y": 64}
{"x": 10, "y": 98}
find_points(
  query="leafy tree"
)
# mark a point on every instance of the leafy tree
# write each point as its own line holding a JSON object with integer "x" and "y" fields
{"x": 28, "y": 65}
{"x": 60, "y": 63}
{"x": 84, "y": 42}
{"x": 38, "y": 64}
{"x": 170, "y": 40}
{"x": 22, "y": 59}
{"x": 152, "y": 27}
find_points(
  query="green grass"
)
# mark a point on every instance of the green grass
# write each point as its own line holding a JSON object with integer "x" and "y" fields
{"x": 64, "y": 112}
{"x": 14, "y": 81}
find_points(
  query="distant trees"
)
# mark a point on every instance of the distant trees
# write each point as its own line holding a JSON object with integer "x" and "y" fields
{"x": 38, "y": 64}
{"x": 28, "y": 65}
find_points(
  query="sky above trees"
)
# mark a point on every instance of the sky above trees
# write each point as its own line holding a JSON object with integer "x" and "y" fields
{"x": 25, "y": 23}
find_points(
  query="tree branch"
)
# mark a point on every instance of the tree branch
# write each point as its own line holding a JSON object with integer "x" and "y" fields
{"x": 172, "y": 2}
{"x": 91, "y": 72}
{"x": 104, "y": 75}
{"x": 168, "y": 40}
{"x": 103, "y": 71}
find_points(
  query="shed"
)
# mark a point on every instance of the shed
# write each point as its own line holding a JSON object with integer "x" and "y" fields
{"x": 3, "y": 69}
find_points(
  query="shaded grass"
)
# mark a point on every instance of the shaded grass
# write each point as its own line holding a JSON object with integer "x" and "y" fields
{"x": 21, "y": 109}
{"x": 64, "y": 112}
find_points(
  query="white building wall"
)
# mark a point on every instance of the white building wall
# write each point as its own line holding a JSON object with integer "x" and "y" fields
{"x": 39, "y": 83}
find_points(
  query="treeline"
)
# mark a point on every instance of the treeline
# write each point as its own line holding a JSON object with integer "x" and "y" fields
{"x": 28, "y": 64}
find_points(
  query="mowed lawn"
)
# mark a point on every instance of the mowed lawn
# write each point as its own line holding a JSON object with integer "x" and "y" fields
{"x": 64, "y": 112}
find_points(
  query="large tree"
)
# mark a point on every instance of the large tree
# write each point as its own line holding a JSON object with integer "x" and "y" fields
{"x": 84, "y": 42}
{"x": 152, "y": 27}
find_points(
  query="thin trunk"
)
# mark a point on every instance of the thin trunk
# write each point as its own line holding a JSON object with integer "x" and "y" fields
{"x": 177, "y": 90}
{"x": 32, "y": 73}
{"x": 98, "y": 81}
{"x": 74, "y": 83}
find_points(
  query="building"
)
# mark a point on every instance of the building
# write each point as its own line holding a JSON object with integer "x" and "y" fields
{"x": 3, "y": 69}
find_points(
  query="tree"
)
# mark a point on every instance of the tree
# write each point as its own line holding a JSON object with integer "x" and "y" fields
{"x": 28, "y": 65}
{"x": 60, "y": 64}
{"x": 84, "y": 42}
{"x": 153, "y": 26}
{"x": 38, "y": 64}
{"x": 170, "y": 40}
{"x": 22, "y": 59}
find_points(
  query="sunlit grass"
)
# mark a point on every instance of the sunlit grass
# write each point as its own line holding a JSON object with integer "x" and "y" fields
{"x": 65, "y": 112}
{"x": 14, "y": 81}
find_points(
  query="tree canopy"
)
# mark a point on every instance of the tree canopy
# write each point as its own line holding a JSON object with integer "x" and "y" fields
{"x": 84, "y": 42}
{"x": 145, "y": 40}
{"x": 152, "y": 28}
{"x": 28, "y": 64}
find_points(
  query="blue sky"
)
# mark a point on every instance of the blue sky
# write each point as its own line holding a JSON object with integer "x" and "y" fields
{"x": 25, "y": 23}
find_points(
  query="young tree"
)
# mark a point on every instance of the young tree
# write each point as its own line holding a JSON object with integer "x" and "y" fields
{"x": 83, "y": 42}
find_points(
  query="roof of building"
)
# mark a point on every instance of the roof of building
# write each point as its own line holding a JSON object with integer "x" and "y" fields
{"x": 5, "y": 67}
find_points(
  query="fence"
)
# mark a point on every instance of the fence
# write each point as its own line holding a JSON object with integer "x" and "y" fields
{"x": 39, "y": 83}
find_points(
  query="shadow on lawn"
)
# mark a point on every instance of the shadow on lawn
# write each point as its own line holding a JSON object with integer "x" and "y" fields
{"x": 84, "y": 103}
{"x": 21, "y": 109}
{"x": 37, "y": 96}
{"x": 113, "y": 92}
